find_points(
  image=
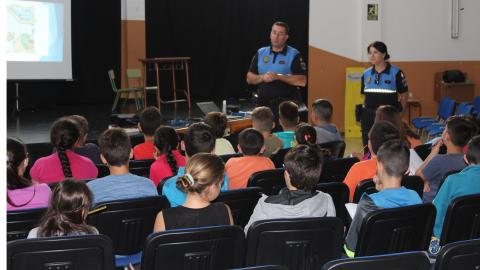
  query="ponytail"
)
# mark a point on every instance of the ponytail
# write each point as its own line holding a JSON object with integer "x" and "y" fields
{"x": 172, "y": 162}
{"x": 202, "y": 170}
{"x": 166, "y": 140}
{"x": 64, "y": 133}
{"x": 62, "y": 155}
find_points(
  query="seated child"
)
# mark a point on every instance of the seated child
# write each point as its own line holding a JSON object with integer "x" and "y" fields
{"x": 321, "y": 117}
{"x": 66, "y": 214}
{"x": 22, "y": 193}
{"x": 167, "y": 156}
{"x": 218, "y": 122}
{"x": 239, "y": 169}
{"x": 263, "y": 121}
{"x": 288, "y": 118}
{"x": 116, "y": 152}
{"x": 458, "y": 131}
{"x": 201, "y": 182}
{"x": 303, "y": 165}
{"x": 392, "y": 115}
{"x": 149, "y": 121}
{"x": 305, "y": 134}
{"x": 392, "y": 163}
{"x": 64, "y": 163}
{"x": 89, "y": 150}
{"x": 460, "y": 184}
{"x": 199, "y": 139}
{"x": 380, "y": 133}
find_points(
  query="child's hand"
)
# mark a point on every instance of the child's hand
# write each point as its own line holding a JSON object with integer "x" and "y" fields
{"x": 436, "y": 147}
{"x": 357, "y": 155}
{"x": 426, "y": 187}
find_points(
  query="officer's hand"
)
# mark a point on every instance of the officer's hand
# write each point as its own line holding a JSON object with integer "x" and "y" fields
{"x": 267, "y": 77}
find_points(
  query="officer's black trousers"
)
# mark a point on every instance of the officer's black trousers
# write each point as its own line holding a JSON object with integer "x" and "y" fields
{"x": 368, "y": 117}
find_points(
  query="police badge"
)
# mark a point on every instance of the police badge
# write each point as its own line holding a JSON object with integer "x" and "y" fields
{"x": 266, "y": 59}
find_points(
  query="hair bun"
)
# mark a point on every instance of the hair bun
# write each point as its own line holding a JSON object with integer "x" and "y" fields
{"x": 185, "y": 182}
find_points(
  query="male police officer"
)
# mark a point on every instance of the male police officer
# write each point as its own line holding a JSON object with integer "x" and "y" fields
{"x": 278, "y": 70}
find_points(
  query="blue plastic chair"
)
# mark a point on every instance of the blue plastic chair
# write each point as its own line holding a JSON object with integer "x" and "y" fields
{"x": 476, "y": 106}
{"x": 445, "y": 110}
{"x": 463, "y": 108}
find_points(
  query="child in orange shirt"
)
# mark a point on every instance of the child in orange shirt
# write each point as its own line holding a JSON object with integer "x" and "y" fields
{"x": 251, "y": 145}
{"x": 380, "y": 132}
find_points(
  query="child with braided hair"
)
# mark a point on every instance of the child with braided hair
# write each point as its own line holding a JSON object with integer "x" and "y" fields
{"x": 64, "y": 163}
{"x": 202, "y": 180}
{"x": 168, "y": 158}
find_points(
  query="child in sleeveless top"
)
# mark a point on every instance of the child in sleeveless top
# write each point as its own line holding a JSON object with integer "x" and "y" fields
{"x": 202, "y": 180}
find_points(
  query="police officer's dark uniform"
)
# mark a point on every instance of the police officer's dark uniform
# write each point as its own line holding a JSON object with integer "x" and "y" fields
{"x": 289, "y": 61}
{"x": 380, "y": 89}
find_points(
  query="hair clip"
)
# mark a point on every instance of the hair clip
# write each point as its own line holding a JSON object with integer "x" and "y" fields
{"x": 190, "y": 179}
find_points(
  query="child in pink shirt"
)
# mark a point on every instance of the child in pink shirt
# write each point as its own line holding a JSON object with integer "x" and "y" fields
{"x": 239, "y": 170}
{"x": 65, "y": 163}
{"x": 168, "y": 158}
{"x": 22, "y": 193}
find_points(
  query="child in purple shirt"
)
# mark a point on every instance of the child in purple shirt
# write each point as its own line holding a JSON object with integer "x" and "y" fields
{"x": 22, "y": 193}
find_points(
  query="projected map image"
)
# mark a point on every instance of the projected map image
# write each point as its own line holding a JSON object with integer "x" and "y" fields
{"x": 34, "y": 31}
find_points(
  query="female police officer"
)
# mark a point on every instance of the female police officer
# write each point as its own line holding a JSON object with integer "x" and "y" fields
{"x": 382, "y": 84}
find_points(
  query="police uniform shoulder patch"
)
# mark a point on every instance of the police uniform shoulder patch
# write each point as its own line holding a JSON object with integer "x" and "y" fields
{"x": 266, "y": 59}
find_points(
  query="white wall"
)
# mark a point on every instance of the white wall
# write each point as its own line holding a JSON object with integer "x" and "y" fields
{"x": 413, "y": 30}
{"x": 335, "y": 27}
{"x": 133, "y": 10}
{"x": 420, "y": 30}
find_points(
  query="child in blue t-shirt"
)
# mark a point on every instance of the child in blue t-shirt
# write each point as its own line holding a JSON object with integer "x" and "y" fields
{"x": 199, "y": 139}
{"x": 392, "y": 163}
{"x": 463, "y": 183}
{"x": 288, "y": 112}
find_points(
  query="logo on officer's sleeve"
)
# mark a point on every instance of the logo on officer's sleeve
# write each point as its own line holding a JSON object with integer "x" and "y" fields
{"x": 266, "y": 59}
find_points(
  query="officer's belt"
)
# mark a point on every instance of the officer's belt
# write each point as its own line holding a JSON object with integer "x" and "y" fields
{"x": 380, "y": 90}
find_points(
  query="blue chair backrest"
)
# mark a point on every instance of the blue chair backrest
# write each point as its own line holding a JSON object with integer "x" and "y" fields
{"x": 446, "y": 108}
{"x": 476, "y": 104}
{"x": 464, "y": 108}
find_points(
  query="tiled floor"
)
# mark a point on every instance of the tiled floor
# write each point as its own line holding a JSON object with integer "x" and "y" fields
{"x": 353, "y": 145}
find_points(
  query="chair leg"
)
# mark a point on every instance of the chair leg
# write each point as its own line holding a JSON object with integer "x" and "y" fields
{"x": 137, "y": 102}
{"x": 115, "y": 102}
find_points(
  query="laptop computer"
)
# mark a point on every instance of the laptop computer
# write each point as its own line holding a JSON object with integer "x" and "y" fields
{"x": 210, "y": 106}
